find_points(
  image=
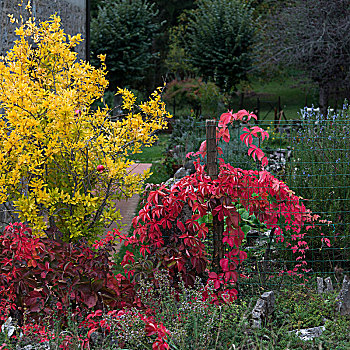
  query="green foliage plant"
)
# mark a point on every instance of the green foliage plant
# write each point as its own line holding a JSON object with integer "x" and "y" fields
{"x": 125, "y": 31}
{"x": 219, "y": 40}
{"x": 187, "y": 132}
{"x": 203, "y": 98}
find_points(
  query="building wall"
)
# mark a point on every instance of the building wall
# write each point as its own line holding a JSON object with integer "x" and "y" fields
{"x": 72, "y": 13}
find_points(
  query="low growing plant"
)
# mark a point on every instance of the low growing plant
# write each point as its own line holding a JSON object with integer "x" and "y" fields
{"x": 43, "y": 277}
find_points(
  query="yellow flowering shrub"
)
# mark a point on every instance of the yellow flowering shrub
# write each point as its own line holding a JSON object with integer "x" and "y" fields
{"x": 61, "y": 163}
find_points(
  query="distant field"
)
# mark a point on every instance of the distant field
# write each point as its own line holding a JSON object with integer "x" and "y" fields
{"x": 293, "y": 98}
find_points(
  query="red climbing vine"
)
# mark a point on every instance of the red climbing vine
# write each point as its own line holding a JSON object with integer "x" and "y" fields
{"x": 171, "y": 230}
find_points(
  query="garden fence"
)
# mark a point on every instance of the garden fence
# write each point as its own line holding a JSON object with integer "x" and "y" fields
{"x": 312, "y": 156}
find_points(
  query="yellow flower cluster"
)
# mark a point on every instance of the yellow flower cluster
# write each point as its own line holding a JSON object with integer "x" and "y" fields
{"x": 51, "y": 141}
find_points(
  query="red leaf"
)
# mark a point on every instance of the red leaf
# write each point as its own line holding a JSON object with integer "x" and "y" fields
{"x": 224, "y": 264}
{"x": 203, "y": 147}
{"x": 226, "y": 135}
{"x": 242, "y": 256}
{"x": 89, "y": 299}
{"x": 181, "y": 226}
{"x": 225, "y": 119}
{"x": 213, "y": 275}
{"x": 34, "y": 301}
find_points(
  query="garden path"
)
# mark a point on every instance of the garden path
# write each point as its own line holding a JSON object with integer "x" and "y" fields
{"x": 127, "y": 207}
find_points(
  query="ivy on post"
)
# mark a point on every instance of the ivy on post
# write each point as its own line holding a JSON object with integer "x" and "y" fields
{"x": 212, "y": 167}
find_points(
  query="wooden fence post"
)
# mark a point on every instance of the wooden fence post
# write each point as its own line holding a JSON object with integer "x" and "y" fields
{"x": 174, "y": 107}
{"x": 258, "y": 110}
{"x": 212, "y": 166}
{"x": 212, "y": 152}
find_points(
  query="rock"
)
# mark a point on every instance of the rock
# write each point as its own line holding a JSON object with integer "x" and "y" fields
{"x": 185, "y": 214}
{"x": 259, "y": 311}
{"x": 343, "y": 299}
{"x": 264, "y": 307}
{"x": 309, "y": 333}
{"x": 329, "y": 285}
{"x": 171, "y": 182}
{"x": 190, "y": 166}
{"x": 256, "y": 323}
{"x": 180, "y": 173}
{"x": 40, "y": 346}
{"x": 320, "y": 285}
{"x": 8, "y": 327}
{"x": 269, "y": 298}
{"x": 324, "y": 285}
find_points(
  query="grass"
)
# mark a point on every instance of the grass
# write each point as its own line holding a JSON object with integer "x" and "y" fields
{"x": 154, "y": 153}
{"x": 293, "y": 98}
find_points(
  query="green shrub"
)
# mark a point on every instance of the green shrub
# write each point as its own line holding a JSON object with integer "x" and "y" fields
{"x": 125, "y": 31}
{"x": 219, "y": 41}
{"x": 203, "y": 98}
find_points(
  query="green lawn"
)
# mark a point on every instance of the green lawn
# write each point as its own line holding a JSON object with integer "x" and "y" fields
{"x": 154, "y": 153}
{"x": 293, "y": 98}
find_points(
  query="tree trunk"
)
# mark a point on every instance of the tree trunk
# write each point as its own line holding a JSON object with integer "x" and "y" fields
{"x": 323, "y": 99}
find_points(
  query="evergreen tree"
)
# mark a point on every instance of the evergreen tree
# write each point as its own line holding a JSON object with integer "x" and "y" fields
{"x": 219, "y": 41}
{"x": 125, "y": 31}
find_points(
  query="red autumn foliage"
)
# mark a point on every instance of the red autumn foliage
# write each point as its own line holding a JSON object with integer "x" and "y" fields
{"x": 47, "y": 276}
{"x": 169, "y": 239}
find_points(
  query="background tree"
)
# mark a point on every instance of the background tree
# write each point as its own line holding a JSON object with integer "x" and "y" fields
{"x": 170, "y": 10}
{"x": 126, "y": 32}
{"x": 219, "y": 41}
{"x": 177, "y": 61}
{"x": 94, "y": 4}
{"x": 312, "y": 36}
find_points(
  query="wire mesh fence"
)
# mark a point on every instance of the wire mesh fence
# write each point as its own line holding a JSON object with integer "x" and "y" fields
{"x": 312, "y": 157}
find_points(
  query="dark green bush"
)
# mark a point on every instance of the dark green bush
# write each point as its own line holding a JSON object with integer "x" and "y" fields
{"x": 220, "y": 40}
{"x": 125, "y": 31}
